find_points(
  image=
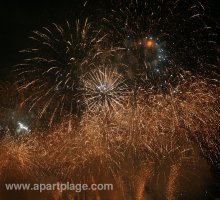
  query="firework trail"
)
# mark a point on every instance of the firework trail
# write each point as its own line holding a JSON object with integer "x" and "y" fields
{"x": 50, "y": 74}
{"x": 166, "y": 129}
{"x": 148, "y": 146}
{"x": 21, "y": 162}
{"x": 80, "y": 153}
{"x": 153, "y": 134}
{"x": 18, "y": 158}
{"x": 161, "y": 38}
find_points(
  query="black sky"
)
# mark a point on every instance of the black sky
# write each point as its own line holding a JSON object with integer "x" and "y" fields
{"x": 18, "y": 19}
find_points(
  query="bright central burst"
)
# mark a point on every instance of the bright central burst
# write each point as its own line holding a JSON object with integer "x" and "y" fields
{"x": 104, "y": 88}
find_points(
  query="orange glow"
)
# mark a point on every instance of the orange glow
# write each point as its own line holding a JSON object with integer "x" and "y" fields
{"x": 149, "y": 43}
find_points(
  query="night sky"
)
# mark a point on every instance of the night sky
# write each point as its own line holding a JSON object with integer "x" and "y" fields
{"x": 18, "y": 19}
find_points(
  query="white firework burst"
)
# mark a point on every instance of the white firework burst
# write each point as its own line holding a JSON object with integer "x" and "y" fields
{"x": 104, "y": 88}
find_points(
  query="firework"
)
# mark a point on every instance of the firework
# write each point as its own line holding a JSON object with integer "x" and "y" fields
{"x": 126, "y": 106}
{"x": 18, "y": 159}
{"x": 49, "y": 76}
{"x": 148, "y": 146}
{"x": 104, "y": 89}
{"x": 160, "y": 38}
{"x": 82, "y": 152}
